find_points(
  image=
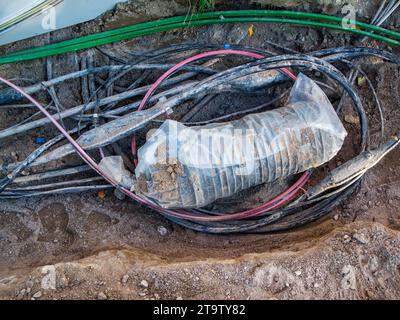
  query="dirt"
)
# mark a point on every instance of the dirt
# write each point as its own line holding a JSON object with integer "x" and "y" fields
{"x": 82, "y": 246}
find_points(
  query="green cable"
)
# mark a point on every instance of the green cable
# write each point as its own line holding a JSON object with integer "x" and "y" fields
{"x": 304, "y": 15}
{"x": 131, "y": 35}
{"x": 167, "y": 24}
{"x": 190, "y": 21}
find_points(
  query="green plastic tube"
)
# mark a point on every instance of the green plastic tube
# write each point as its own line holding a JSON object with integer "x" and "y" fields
{"x": 147, "y": 28}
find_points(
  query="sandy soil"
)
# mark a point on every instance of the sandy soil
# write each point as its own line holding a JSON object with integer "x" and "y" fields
{"x": 81, "y": 246}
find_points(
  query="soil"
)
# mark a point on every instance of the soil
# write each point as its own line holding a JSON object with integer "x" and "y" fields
{"x": 82, "y": 246}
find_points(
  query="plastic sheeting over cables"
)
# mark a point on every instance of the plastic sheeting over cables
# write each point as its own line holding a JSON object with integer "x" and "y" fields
{"x": 184, "y": 167}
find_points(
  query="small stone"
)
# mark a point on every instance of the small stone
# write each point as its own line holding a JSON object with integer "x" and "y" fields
{"x": 162, "y": 230}
{"x": 37, "y": 295}
{"x": 142, "y": 294}
{"x": 102, "y": 296}
{"x": 156, "y": 296}
{"x": 336, "y": 217}
{"x": 349, "y": 278}
{"x": 125, "y": 279}
{"x": 21, "y": 294}
{"x": 170, "y": 170}
{"x": 29, "y": 284}
{"x": 179, "y": 298}
{"x": 346, "y": 239}
{"x": 361, "y": 237}
{"x": 352, "y": 119}
{"x": 373, "y": 264}
{"x": 297, "y": 273}
{"x": 144, "y": 284}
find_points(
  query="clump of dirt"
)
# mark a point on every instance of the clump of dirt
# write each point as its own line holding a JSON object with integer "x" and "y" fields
{"x": 164, "y": 172}
{"x": 85, "y": 246}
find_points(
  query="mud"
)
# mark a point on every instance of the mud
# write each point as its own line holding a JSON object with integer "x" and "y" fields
{"x": 100, "y": 248}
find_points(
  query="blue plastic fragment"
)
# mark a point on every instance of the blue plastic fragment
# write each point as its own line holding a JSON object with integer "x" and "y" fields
{"x": 40, "y": 140}
{"x": 227, "y": 46}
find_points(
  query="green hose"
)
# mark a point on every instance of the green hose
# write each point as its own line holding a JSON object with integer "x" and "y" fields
{"x": 147, "y": 28}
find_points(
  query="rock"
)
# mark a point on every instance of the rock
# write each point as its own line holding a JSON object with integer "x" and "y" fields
{"x": 37, "y": 295}
{"x": 144, "y": 284}
{"x": 346, "y": 238}
{"x": 361, "y": 237}
{"x": 352, "y": 119}
{"x": 29, "y": 284}
{"x": 336, "y": 217}
{"x": 62, "y": 282}
{"x": 349, "y": 278}
{"x": 21, "y": 294}
{"x": 142, "y": 294}
{"x": 373, "y": 264}
{"x": 102, "y": 296}
{"x": 179, "y": 298}
{"x": 125, "y": 279}
{"x": 14, "y": 155}
{"x": 162, "y": 230}
{"x": 297, "y": 273}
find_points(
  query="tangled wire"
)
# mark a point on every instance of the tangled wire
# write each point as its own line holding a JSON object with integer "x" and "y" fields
{"x": 190, "y": 81}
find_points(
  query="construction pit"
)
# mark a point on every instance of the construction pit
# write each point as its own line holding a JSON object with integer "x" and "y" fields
{"x": 102, "y": 245}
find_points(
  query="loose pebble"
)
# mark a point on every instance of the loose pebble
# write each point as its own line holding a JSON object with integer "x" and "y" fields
{"x": 144, "y": 284}
{"x": 125, "y": 279}
{"x": 102, "y": 296}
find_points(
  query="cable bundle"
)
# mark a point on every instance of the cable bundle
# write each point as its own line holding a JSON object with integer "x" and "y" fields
{"x": 120, "y": 121}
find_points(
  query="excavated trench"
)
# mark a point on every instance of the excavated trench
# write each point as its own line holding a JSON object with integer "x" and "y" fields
{"x": 102, "y": 247}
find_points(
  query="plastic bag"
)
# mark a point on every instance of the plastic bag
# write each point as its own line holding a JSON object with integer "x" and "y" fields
{"x": 114, "y": 167}
{"x": 186, "y": 167}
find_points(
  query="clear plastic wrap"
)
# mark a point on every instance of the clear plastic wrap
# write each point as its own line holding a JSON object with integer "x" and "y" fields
{"x": 114, "y": 167}
{"x": 190, "y": 167}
